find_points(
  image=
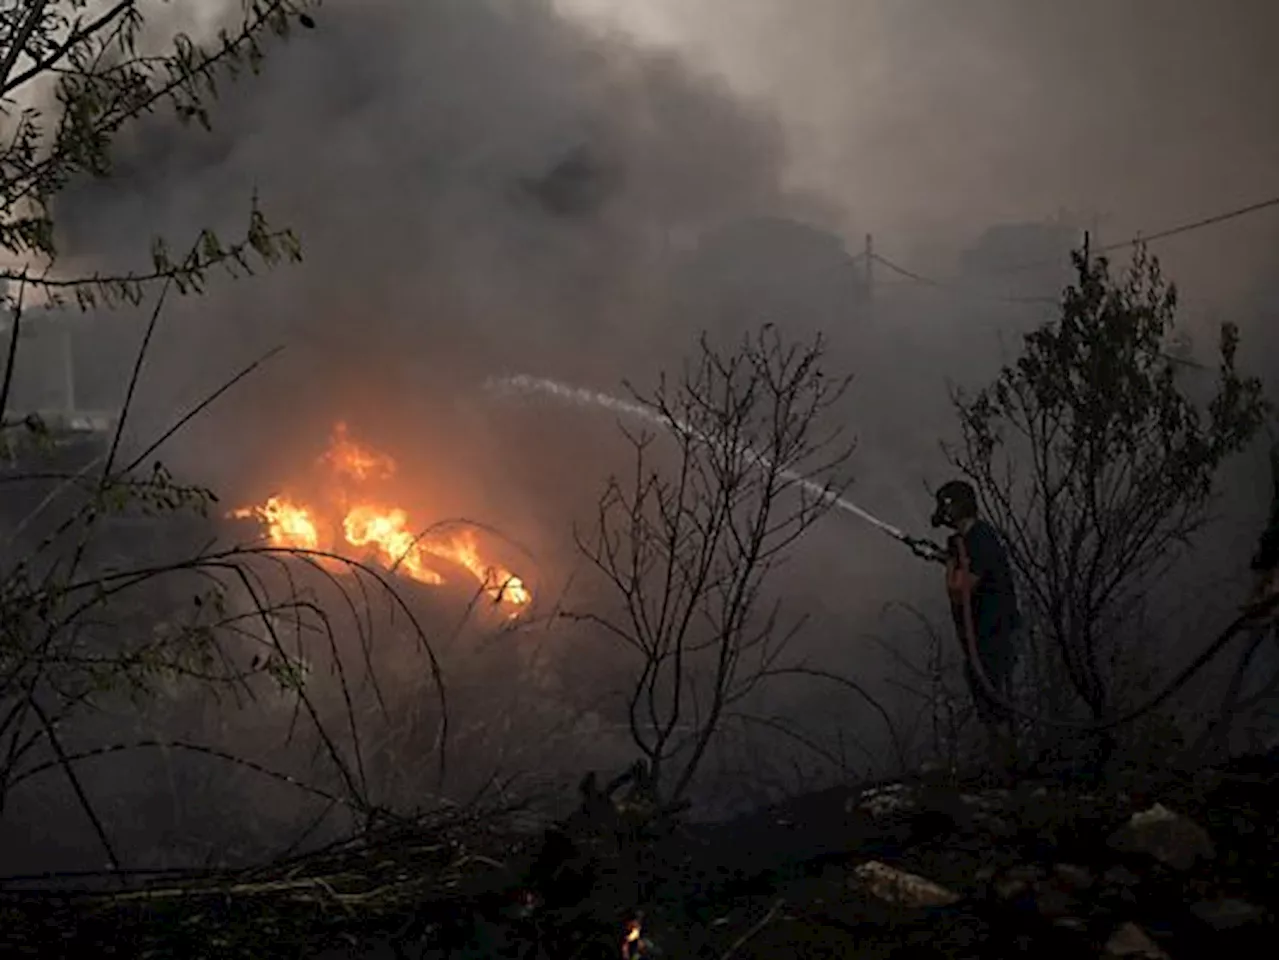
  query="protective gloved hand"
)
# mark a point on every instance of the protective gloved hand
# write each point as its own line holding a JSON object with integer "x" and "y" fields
{"x": 926, "y": 549}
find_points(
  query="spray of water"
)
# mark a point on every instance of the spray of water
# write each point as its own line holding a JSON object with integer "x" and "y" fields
{"x": 578, "y": 396}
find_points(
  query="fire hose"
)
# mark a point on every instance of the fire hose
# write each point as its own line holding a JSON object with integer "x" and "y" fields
{"x": 1250, "y": 616}
{"x": 970, "y": 630}
{"x": 924, "y": 549}
{"x": 930, "y": 551}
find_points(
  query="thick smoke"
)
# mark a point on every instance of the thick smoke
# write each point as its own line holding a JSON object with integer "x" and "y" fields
{"x": 928, "y": 122}
{"x": 480, "y": 188}
{"x": 486, "y": 188}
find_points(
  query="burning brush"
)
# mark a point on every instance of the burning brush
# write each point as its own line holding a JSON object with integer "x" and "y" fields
{"x": 634, "y": 942}
{"x": 347, "y": 517}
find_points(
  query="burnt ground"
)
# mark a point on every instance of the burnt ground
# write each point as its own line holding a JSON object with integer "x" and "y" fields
{"x": 917, "y": 868}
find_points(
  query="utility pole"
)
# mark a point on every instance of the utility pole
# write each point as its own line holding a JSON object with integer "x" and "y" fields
{"x": 55, "y": 365}
{"x": 1096, "y": 220}
{"x": 68, "y": 371}
{"x": 868, "y": 256}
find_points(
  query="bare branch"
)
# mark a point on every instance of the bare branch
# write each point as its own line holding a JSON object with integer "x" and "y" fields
{"x": 21, "y": 36}
{"x": 688, "y": 558}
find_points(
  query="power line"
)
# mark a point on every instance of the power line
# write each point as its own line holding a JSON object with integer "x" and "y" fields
{"x": 1160, "y": 235}
{"x": 1119, "y": 245}
{"x": 948, "y": 285}
{"x": 1040, "y": 300}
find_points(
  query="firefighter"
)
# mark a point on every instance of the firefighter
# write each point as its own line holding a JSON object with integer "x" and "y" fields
{"x": 1264, "y": 560}
{"x": 984, "y": 607}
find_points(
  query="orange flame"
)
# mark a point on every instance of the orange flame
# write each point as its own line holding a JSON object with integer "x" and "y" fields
{"x": 632, "y": 945}
{"x": 397, "y": 548}
{"x": 346, "y": 457}
{"x": 383, "y": 531}
{"x": 500, "y": 584}
{"x": 288, "y": 525}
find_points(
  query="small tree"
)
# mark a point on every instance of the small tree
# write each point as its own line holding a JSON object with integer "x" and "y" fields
{"x": 1097, "y": 464}
{"x": 73, "y": 75}
{"x": 689, "y": 541}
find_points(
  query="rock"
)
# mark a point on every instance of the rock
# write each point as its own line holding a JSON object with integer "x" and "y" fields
{"x": 1168, "y": 837}
{"x": 1015, "y": 881}
{"x": 1226, "y": 914}
{"x": 881, "y": 801}
{"x": 1072, "y": 876}
{"x": 1131, "y": 941}
{"x": 1121, "y": 877}
{"x": 1052, "y": 903}
{"x": 899, "y": 887}
{"x": 1118, "y": 887}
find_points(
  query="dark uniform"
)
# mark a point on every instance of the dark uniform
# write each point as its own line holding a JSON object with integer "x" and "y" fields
{"x": 1265, "y": 557}
{"x": 1264, "y": 561}
{"x": 996, "y": 619}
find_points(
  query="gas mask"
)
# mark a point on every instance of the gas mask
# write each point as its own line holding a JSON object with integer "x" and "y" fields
{"x": 943, "y": 515}
{"x": 945, "y": 511}
{"x": 955, "y": 501}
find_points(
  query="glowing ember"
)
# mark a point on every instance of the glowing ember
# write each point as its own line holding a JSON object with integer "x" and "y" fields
{"x": 382, "y": 531}
{"x": 632, "y": 944}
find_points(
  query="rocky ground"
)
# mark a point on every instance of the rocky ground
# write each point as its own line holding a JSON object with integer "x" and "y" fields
{"x": 1179, "y": 866}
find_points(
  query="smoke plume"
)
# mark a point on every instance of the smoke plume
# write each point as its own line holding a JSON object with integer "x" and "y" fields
{"x": 487, "y": 188}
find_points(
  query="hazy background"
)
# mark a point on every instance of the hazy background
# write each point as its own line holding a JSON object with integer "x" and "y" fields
{"x": 927, "y": 122}
{"x": 575, "y": 189}
{"x": 658, "y": 139}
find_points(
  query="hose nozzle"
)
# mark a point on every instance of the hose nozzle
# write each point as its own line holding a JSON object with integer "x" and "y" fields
{"x": 926, "y": 549}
